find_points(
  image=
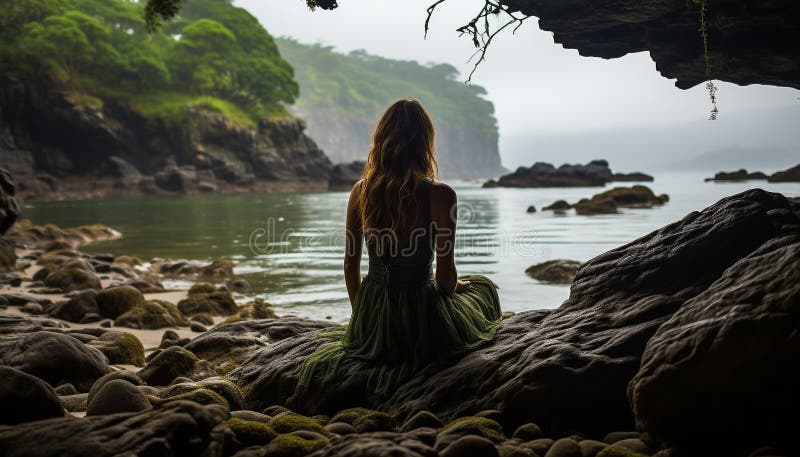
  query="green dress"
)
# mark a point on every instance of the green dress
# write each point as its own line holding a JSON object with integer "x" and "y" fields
{"x": 401, "y": 320}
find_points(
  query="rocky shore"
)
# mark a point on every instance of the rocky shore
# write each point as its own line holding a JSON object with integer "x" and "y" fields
{"x": 680, "y": 343}
{"x": 609, "y": 202}
{"x": 789, "y": 175}
{"x": 541, "y": 174}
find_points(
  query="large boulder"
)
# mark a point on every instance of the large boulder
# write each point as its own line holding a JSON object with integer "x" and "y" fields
{"x": 566, "y": 369}
{"x": 77, "y": 274}
{"x": 152, "y": 314}
{"x": 178, "y": 428}
{"x": 556, "y": 271}
{"x": 219, "y": 303}
{"x": 541, "y": 174}
{"x": 26, "y": 398}
{"x": 726, "y": 364}
{"x": 53, "y": 357}
{"x": 116, "y": 301}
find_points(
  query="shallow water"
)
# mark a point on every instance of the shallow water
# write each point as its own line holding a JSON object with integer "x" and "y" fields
{"x": 289, "y": 246}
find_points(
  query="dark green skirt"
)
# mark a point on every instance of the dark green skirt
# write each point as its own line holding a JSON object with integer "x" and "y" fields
{"x": 400, "y": 330}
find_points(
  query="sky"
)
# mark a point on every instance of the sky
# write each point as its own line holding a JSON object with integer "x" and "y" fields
{"x": 538, "y": 87}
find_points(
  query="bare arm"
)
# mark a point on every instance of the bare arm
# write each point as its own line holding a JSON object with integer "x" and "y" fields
{"x": 354, "y": 234}
{"x": 444, "y": 207}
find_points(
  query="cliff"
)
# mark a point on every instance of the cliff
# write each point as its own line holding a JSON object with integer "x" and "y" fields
{"x": 341, "y": 107}
{"x": 61, "y": 148}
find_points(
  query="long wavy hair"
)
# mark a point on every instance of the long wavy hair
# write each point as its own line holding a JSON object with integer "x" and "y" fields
{"x": 401, "y": 156}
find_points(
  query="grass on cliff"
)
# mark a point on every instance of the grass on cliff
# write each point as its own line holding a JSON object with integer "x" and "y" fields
{"x": 172, "y": 105}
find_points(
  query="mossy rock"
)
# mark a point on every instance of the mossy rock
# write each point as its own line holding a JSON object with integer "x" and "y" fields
{"x": 120, "y": 348}
{"x": 221, "y": 386}
{"x": 77, "y": 274}
{"x": 250, "y": 433}
{"x": 201, "y": 395}
{"x": 470, "y": 425}
{"x": 203, "y": 318}
{"x": 287, "y": 445}
{"x": 290, "y": 422}
{"x": 613, "y": 451}
{"x": 116, "y": 301}
{"x": 169, "y": 364}
{"x": 152, "y": 314}
{"x": 202, "y": 288}
{"x": 216, "y": 303}
{"x": 42, "y": 273}
{"x": 365, "y": 420}
{"x": 128, "y": 260}
{"x": 558, "y": 205}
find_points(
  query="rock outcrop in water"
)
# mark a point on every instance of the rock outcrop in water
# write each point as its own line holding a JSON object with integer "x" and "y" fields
{"x": 541, "y": 174}
{"x": 689, "y": 333}
{"x": 59, "y": 149}
{"x": 739, "y": 175}
{"x": 788, "y": 175}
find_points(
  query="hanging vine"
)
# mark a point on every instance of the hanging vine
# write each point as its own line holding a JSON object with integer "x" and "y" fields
{"x": 710, "y": 87}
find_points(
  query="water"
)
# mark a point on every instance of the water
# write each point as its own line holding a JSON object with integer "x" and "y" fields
{"x": 289, "y": 246}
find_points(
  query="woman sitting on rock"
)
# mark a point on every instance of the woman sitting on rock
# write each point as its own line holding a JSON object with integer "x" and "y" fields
{"x": 405, "y": 315}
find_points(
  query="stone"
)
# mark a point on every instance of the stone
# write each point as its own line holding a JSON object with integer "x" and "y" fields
{"x": 26, "y": 398}
{"x": 72, "y": 275}
{"x": 540, "y": 445}
{"x": 565, "y": 447}
{"x": 203, "y": 318}
{"x": 528, "y": 432}
{"x": 471, "y": 446}
{"x": 613, "y": 437}
{"x": 66, "y": 389}
{"x": 376, "y": 444}
{"x": 167, "y": 365}
{"x": 340, "y": 428}
{"x": 178, "y": 428}
{"x": 250, "y": 433}
{"x": 557, "y": 271}
{"x": 53, "y": 357}
{"x": 619, "y": 197}
{"x": 197, "y": 327}
{"x": 153, "y": 314}
{"x": 531, "y": 209}
{"x": 128, "y": 376}
{"x": 558, "y": 206}
{"x": 470, "y": 425}
{"x": 215, "y": 303}
{"x": 541, "y": 174}
{"x": 202, "y": 288}
{"x": 233, "y": 397}
{"x": 241, "y": 286}
{"x": 116, "y": 301}
{"x": 120, "y": 348}
{"x": 32, "y": 308}
{"x": 420, "y": 420}
{"x": 590, "y": 448}
{"x": 251, "y": 416}
{"x": 117, "y": 396}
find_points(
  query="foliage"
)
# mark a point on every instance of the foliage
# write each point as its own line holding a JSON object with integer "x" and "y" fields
{"x": 217, "y": 55}
{"x": 361, "y": 85}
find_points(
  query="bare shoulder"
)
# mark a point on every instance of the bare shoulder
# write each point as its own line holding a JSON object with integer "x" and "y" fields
{"x": 442, "y": 194}
{"x": 355, "y": 193}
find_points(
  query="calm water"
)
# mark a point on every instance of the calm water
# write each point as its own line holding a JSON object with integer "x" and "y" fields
{"x": 289, "y": 246}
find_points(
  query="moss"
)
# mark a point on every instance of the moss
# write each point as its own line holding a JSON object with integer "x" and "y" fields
{"x": 614, "y": 451}
{"x": 292, "y": 422}
{"x": 122, "y": 348}
{"x": 203, "y": 318}
{"x": 202, "y": 288}
{"x": 251, "y": 433}
{"x": 474, "y": 425}
{"x": 348, "y": 416}
{"x": 293, "y": 446}
{"x": 203, "y": 396}
{"x": 117, "y": 301}
{"x": 365, "y": 420}
{"x": 128, "y": 260}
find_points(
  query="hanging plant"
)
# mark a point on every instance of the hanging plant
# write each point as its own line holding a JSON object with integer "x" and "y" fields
{"x": 710, "y": 87}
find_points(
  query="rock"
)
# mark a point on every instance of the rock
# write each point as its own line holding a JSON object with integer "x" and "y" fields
{"x": 127, "y": 376}
{"x": 470, "y": 425}
{"x": 79, "y": 305}
{"x": 197, "y": 327}
{"x": 33, "y": 236}
{"x": 613, "y": 437}
{"x": 120, "y": 348}
{"x": 8, "y": 255}
{"x": 619, "y": 197}
{"x": 241, "y": 286}
{"x": 470, "y": 446}
{"x": 788, "y": 175}
{"x": 345, "y": 175}
{"x": 75, "y": 403}
{"x": 153, "y": 314}
{"x": 75, "y": 274}
{"x": 177, "y": 428}
{"x": 291, "y": 445}
{"x": 633, "y": 444}
{"x": 32, "y": 308}
{"x": 10, "y": 208}
{"x": 257, "y": 309}
{"x": 732, "y": 342}
{"x": 340, "y": 428}
{"x": 552, "y": 367}
{"x": 365, "y": 420}
{"x": 169, "y": 364}
{"x": 558, "y": 271}
{"x": 635, "y": 176}
{"x": 565, "y": 447}
{"x": 590, "y": 448}
{"x": 531, "y": 209}
{"x": 420, "y": 420}
{"x": 558, "y": 206}
{"x": 740, "y": 175}
{"x": 66, "y": 389}
{"x": 539, "y": 446}
{"x": 614, "y": 451}
{"x": 528, "y": 432}
{"x": 116, "y": 301}
{"x": 26, "y": 398}
{"x": 217, "y": 270}
{"x": 250, "y": 433}
{"x": 376, "y": 444}
{"x": 540, "y": 174}
{"x": 117, "y": 396}
{"x": 53, "y": 357}
{"x": 203, "y": 318}
{"x": 202, "y": 288}
{"x": 215, "y": 303}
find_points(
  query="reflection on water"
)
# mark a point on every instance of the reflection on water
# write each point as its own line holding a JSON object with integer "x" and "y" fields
{"x": 290, "y": 246}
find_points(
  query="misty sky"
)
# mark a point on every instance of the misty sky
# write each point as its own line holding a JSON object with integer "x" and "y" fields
{"x": 537, "y": 86}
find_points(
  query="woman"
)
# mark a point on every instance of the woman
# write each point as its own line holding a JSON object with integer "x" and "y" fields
{"x": 403, "y": 314}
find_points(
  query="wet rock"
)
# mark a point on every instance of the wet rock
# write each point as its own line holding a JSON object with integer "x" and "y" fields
{"x": 234, "y": 399}
{"x": 66, "y": 389}
{"x": 739, "y": 175}
{"x": 33, "y": 236}
{"x": 541, "y": 174}
{"x": 215, "y": 303}
{"x": 257, "y": 309}
{"x": 420, "y": 420}
{"x": 788, "y": 175}
{"x": 558, "y": 206}
{"x": 590, "y": 448}
{"x": 72, "y": 275}
{"x": 249, "y": 433}
{"x": 74, "y": 309}
{"x": 169, "y": 364}
{"x": 120, "y": 348}
{"x": 340, "y": 428}
{"x": 32, "y": 308}
{"x": 470, "y": 425}
{"x": 75, "y": 403}
{"x": 365, "y": 420}
{"x": 565, "y": 447}
{"x": 202, "y": 288}
{"x": 531, "y": 209}
{"x": 619, "y": 197}
{"x": 293, "y": 445}
{"x": 116, "y": 301}
{"x": 377, "y": 444}
{"x": 735, "y": 340}
{"x": 470, "y": 446}
{"x": 153, "y": 314}
{"x": 345, "y": 175}
{"x": 593, "y": 206}
{"x": 53, "y": 357}
{"x": 614, "y": 451}
{"x": 174, "y": 429}
{"x": 613, "y": 437}
{"x": 558, "y": 271}
{"x": 203, "y": 318}
{"x": 26, "y": 398}
{"x": 540, "y": 445}
{"x": 528, "y": 432}
{"x": 127, "y": 376}
{"x": 197, "y": 327}
{"x": 635, "y": 176}
{"x": 117, "y": 396}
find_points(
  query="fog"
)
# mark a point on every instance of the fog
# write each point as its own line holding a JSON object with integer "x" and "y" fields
{"x": 539, "y": 89}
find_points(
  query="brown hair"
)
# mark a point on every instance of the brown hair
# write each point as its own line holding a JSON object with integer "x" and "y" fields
{"x": 402, "y": 154}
